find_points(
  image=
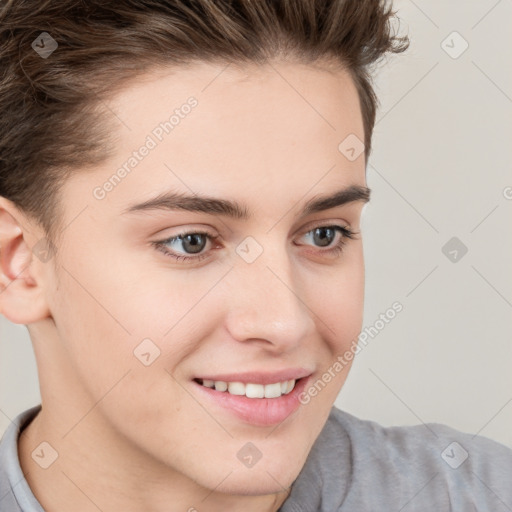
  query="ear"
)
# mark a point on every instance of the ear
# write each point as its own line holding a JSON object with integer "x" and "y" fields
{"x": 22, "y": 297}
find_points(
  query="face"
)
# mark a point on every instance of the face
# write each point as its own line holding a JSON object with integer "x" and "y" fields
{"x": 145, "y": 301}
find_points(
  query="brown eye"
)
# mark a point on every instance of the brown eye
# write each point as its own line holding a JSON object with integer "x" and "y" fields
{"x": 185, "y": 244}
{"x": 323, "y": 236}
{"x": 193, "y": 243}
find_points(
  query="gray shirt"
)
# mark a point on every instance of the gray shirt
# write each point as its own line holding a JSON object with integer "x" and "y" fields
{"x": 356, "y": 465}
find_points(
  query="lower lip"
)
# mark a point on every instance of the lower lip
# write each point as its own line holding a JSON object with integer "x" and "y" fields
{"x": 257, "y": 411}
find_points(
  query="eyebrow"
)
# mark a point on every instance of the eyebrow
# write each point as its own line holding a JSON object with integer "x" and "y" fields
{"x": 215, "y": 206}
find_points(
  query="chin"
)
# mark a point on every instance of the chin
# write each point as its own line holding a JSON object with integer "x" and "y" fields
{"x": 252, "y": 482}
{"x": 248, "y": 487}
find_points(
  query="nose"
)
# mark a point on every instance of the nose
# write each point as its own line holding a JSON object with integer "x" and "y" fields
{"x": 266, "y": 303}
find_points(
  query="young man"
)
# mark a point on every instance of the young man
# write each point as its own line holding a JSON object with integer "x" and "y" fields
{"x": 181, "y": 191}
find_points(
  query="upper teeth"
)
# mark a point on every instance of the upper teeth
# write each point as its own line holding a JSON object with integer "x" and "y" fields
{"x": 252, "y": 390}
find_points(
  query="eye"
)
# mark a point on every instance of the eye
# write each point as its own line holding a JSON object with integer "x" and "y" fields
{"x": 324, "y": 236}
{"x": 194, "y": 242}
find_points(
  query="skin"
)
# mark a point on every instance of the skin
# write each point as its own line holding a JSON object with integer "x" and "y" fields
{"x": 133, "y": 437}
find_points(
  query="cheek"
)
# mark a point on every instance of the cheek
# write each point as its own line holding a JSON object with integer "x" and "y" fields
{"x": 339, "y": 306}
{"x": 339, "y": 302}
{"x": 97, "y": 312}
{"x": 112, "y": 350}
{"x": 115, "y": 317}
{"x": 94, "y": 334}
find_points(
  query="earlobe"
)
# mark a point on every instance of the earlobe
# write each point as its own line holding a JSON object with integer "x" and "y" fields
{"x": 22, "y": 298}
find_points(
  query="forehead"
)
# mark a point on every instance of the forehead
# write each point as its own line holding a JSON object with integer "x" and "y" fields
{"x": 246, "y": 132}
{"x": 273, "y": 103}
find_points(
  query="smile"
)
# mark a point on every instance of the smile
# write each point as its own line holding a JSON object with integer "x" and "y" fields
{"x": 255, "y": 404}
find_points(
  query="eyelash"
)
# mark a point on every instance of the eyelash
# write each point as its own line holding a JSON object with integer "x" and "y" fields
{"x": 160, "y": 245}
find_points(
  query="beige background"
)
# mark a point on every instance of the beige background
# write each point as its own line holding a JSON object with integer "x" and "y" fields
{"x": 440, "y": 169}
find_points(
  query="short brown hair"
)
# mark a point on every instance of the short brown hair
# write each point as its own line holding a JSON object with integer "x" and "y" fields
{"x": 51, "y": 120}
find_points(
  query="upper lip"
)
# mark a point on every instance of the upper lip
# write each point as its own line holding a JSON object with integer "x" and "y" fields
{"x": 257, "y": 377}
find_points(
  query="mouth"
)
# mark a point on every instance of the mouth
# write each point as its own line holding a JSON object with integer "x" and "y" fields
{"x": 253, "y": 403}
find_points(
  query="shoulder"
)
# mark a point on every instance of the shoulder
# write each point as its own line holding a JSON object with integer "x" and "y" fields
{"x": 434, "y": 441}
{"x": 15, "y": 493}
{"x": 424, "y": 463}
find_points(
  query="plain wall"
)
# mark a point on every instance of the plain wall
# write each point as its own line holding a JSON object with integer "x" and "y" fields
{"x": 440, "y": 168}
